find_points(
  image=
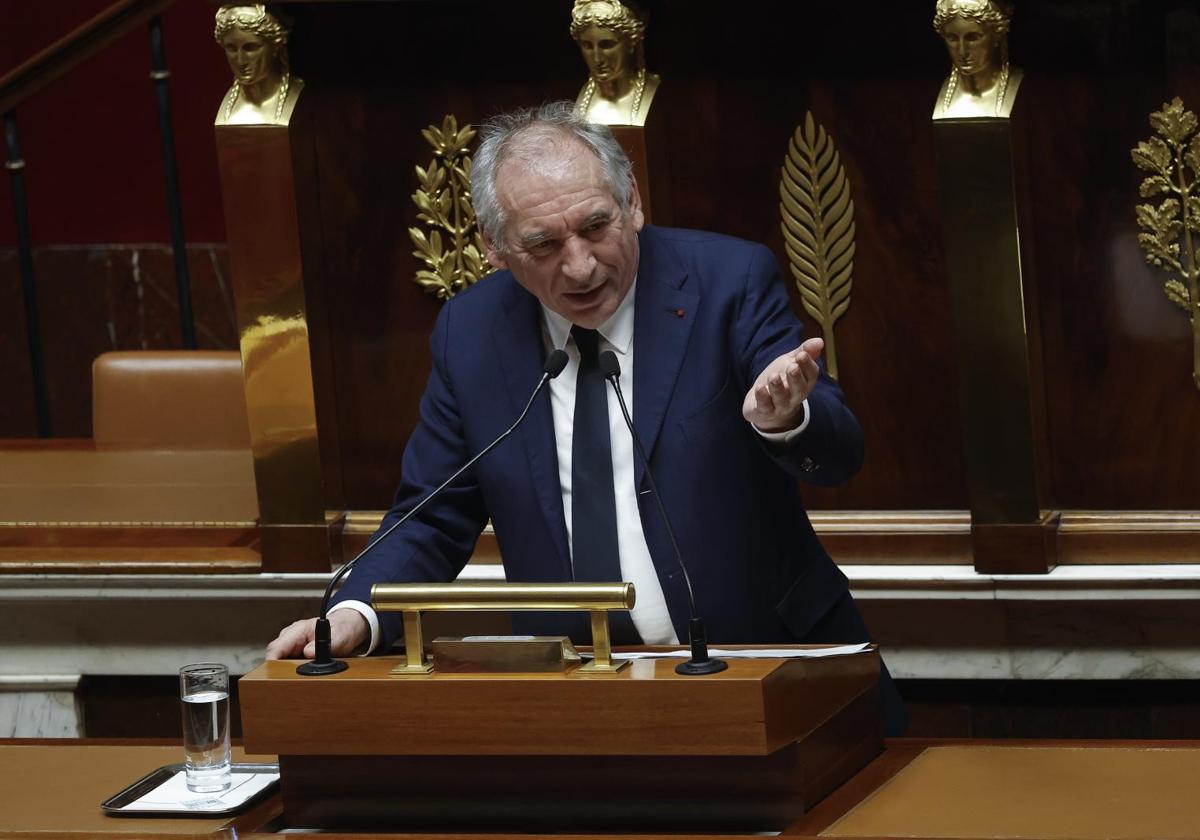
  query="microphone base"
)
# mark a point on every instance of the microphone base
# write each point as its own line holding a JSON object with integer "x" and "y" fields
{"x": 701, "y": 663}
{"x": 324, "y": 669}
{"x": 694, "y": 668}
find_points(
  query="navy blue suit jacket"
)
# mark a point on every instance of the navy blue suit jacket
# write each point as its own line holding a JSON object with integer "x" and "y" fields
{"x": 711, "y": 312}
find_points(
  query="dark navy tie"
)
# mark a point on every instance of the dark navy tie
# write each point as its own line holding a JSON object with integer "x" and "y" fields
{"x": 594, "y": 551}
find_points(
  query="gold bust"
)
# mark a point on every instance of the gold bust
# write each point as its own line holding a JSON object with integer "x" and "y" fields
{"x": 255, "y": 44}
{"x": 618, "y": 89}
{"x": 981, "y": 82}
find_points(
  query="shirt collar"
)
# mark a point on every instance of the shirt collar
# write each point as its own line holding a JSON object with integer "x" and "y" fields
{"x": 617, "y": 330}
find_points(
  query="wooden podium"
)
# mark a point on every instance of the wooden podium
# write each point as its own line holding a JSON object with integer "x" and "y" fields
{"x": 748, "y": 749}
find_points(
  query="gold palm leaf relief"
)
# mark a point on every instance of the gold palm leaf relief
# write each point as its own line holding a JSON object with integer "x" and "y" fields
{"x": 818, "y": 228}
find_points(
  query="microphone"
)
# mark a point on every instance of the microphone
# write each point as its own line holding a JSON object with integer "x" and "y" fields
{"x": 701, "y": 662}
{"x": 323, "y": 662}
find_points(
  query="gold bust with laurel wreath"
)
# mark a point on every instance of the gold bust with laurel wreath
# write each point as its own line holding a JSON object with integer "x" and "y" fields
{"x": 981, "y": 83}
{"x": 618, "y": 90}
{"x": 255, "y": 43}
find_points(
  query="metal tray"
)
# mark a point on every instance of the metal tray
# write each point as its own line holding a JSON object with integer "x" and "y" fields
{"x": 113, "y": 806}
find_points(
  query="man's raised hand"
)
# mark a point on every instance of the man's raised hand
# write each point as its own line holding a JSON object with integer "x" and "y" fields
{"x": 775, "y": 402}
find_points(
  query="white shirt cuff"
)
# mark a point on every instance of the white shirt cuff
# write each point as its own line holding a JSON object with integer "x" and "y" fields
{"x": 784, "y": 438}
{"x": 366, "y": 612}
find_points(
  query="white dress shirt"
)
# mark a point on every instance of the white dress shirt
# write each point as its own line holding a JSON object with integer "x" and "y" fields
{"x": 649, "y": 612}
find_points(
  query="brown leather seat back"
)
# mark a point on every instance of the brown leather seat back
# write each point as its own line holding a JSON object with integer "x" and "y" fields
{"x": 169, "y": 399}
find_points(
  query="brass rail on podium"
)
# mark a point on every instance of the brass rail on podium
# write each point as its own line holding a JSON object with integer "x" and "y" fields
{"x": 414, "y": 598}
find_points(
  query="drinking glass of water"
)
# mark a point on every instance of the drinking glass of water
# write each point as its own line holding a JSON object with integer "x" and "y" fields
{"x": 204, "y": 690}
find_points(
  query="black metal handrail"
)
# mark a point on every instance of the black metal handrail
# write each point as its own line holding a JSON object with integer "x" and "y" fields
{"x": 65, "y": 54}
{"x": 58, "y": 59}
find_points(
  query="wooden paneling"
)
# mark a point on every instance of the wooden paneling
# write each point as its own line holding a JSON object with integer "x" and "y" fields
{"x": 1123, "y": 416}
{"x": 130, "y": 706}
{"x": 1047, "y": 790}
{"x": 82, "y": 485}
{"x": 141, "y": 707}
{"x": 753, "y": 708}
{"x": 744, "y": 98}
{"x": 604, "y": 793}
{"x": 53, "y": 790}
{"x": 1092, "y": 709}
{"x": 71, "y": 507}
{"x": 142, "y": 559}
{"x": 1113, "y": 349}
{"x": 748, "y": 749}
{"x": 939, "y": 537}
{"x": 1145, "y": 537}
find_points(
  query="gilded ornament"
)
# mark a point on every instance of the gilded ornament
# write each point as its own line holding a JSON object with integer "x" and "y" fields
{"x": 1171, "y": 231}
{"x": 818, "y": 228}
{"x": 444, "y": 199}
{"x": 610, "y": 36}
{"x": 981, "y": 83}
{"x": 255, "y": 43}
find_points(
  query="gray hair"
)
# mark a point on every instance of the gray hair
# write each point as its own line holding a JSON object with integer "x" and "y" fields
{"x": 527, "y": 135}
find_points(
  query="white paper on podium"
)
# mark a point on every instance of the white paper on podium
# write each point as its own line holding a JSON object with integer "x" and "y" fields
{"x": 760, "y": 653}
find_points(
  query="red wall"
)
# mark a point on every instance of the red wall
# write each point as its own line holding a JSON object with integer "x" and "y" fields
{"x": 90, "y": 139}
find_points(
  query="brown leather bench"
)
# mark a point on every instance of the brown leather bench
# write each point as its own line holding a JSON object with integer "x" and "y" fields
{"x": 169, "y": 399}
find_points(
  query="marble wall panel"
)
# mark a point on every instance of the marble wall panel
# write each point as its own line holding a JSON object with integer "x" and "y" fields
{"x": 96, "y": 298}
{"x": 40, "y": 707}
{"x": 1036, "y": 639}
{"x": 912, "y": 637}
{"x": 1110, "y": 641}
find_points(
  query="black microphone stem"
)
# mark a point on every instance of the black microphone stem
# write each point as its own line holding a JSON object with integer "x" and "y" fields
{"x": 701, "y": 662}
{"x": 323, "y": 662}
{"x": 662, "y": 511}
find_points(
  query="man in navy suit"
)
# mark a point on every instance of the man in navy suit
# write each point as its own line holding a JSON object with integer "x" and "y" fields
{"x": 730, "y": 404}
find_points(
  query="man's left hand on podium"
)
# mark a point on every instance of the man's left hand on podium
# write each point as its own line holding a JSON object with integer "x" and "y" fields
{"x": 348, "y": 632}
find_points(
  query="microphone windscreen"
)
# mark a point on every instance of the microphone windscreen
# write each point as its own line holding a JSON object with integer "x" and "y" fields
{"x": 555, "y": 362}
{"x": 609, "y": 366}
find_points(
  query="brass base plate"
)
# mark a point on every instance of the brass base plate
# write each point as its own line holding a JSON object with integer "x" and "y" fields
{"x": 594, "y": 667}
{"x": 407, "y": 670}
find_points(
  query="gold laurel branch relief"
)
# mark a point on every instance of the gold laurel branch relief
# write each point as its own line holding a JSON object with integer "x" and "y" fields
{"x": 818, "y": 229}
{"x": 1171, "y": 231}
{"x": 455, "y": 260}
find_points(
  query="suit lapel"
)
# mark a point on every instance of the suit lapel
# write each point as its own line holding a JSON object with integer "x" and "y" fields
{"x": 518, "y": 342}
{"x": 663, "y": 322}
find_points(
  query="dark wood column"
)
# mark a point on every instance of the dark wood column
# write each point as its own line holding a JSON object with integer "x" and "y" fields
{"x": 995, "y": 333}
